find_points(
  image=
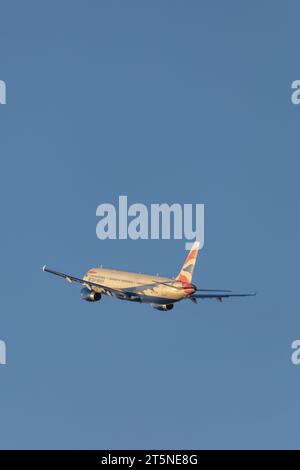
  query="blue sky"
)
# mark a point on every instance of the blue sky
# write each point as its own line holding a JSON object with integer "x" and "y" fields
{"x": 163, "y": 101}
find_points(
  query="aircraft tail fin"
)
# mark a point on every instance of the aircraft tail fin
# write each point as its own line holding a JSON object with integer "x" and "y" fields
{"x": 186, "y": 273}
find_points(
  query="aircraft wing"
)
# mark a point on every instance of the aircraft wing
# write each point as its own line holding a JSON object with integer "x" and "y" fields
{"x": 106, "y": 290}
{"x": 218, "y": 296}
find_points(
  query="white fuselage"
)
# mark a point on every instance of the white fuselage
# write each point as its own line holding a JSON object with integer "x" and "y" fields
{"x": 151, "y": 289}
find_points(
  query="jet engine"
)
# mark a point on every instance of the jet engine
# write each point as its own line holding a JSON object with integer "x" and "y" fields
{"x": 89, "y": 295}
{"x": 163, "y": 307}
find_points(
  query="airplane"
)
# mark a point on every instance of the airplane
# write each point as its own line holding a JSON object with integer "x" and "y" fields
{"x": 160, "y": 292}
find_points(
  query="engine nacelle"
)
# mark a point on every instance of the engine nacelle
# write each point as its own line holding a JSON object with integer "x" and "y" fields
{"x": 163, "y": 307}
{"x": 89, "y": 295}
